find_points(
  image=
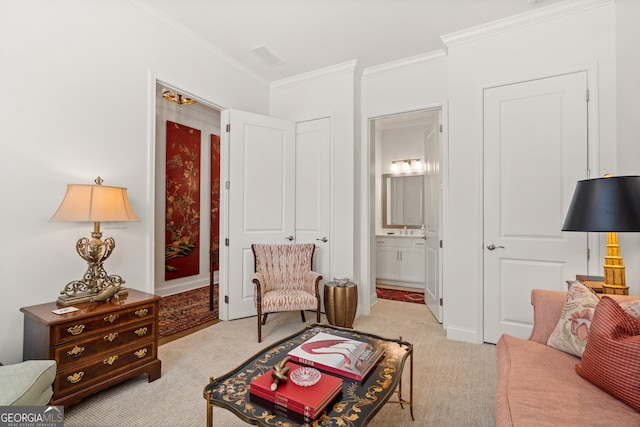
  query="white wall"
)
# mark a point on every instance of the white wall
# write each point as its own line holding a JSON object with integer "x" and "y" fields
{"x": 78, "y": 98}
{"x": 584, "y": 40}
{"x": 477, "y": 59}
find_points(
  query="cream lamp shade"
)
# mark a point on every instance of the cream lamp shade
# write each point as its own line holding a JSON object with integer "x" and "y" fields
{"x": 95, "y": 203}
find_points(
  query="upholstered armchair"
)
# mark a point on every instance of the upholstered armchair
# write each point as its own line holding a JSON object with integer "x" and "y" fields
{"x": 284, "y": 280}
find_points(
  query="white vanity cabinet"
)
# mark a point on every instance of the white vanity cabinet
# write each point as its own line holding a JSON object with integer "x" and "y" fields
{"x": 400, "y": 260}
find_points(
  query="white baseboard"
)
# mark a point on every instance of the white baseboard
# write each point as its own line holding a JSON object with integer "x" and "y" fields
{"x": 463, "y": 334}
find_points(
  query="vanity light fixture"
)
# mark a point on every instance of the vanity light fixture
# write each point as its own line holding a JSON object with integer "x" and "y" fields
{"x": 407, "y": 165}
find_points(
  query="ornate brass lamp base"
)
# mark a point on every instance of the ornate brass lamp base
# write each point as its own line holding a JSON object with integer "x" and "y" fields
{"x": 96, "y": 285}
{"x": 85, "y": 297}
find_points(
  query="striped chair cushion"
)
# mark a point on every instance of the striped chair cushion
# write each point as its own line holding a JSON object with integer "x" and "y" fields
{"x": 611, "y": 359}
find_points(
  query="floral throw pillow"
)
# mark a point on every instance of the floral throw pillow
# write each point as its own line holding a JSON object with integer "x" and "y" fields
{"x": 632, "y": 308}
{"x": 572, "y": 330}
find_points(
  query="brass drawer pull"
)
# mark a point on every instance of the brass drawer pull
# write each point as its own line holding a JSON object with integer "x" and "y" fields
{"x": 112, "y": 318}
{"x": 75, "y": 351}
{"x": 110, "y": 360}
{"x": 112, "y": 336}
{"x": 76, "y": 330}
{"x": 142, "y": 312}
{"x": 141, "y": 353}
{"x": 140, "y": 332}
{"x": 75, "y": 378}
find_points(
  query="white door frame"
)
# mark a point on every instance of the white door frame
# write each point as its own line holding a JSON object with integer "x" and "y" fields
{"x": 368, "y": 228}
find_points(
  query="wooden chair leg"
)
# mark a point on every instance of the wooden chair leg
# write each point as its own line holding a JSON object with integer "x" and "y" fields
{"x": 302, "y": 314}
{"x": 259, "y": 324}
{"x": 264, "y": 318}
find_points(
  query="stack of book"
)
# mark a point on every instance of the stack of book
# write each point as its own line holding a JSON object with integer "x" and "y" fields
{"x": 289, "y": 397}
{"x": 331, "y": 354}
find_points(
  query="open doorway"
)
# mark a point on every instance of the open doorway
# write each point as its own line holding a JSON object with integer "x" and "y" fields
{"x": 187, "y": 195}
{"x": 408, "y": 201}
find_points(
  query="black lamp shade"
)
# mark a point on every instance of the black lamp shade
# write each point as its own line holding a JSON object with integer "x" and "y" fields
{"x": 605, "y": 205}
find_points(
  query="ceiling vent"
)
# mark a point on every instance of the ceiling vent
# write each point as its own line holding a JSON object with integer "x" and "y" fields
{"x": 267, "y": 56}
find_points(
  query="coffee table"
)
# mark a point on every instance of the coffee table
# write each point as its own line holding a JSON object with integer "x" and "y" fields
{"x": 359, "y": 401}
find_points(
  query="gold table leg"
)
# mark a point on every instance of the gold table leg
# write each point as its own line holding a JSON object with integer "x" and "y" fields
{"x": 209, "y": 406}
{"x": 400, "y": 400}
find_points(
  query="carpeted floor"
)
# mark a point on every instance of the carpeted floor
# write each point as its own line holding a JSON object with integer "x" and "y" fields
{"x": 453, "y": 382}
{"x": 185, "y": 310}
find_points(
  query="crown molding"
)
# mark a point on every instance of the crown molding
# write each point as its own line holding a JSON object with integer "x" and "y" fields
{"x": 405, "y": 63}
{"x": 349, "y": 67}
{"x": 567, "y": 7}
{"x": 146, "y": 8}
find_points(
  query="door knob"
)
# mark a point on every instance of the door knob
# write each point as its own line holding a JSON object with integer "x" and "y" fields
{"x": 324, "y": 239}
{"x": 492, "y": 247}
{"x": 289, "y": 238}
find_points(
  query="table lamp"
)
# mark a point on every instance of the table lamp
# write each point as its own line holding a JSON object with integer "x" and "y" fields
{"x": 610, "y": 204}
{"x": 94, "y": 203}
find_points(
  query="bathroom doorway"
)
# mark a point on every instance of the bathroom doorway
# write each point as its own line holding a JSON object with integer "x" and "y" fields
{"x": 408, "y": 199}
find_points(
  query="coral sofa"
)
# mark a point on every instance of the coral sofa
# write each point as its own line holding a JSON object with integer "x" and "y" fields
{"x": 538, "y": 385}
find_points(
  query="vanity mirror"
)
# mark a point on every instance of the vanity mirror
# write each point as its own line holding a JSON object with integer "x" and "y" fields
{"x": 402, "y": 200}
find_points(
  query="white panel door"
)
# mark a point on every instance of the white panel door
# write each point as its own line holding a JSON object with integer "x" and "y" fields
{"x": 535, "y": 150}
{"x": 312, "y": 194}
{"x": 433, "y": 224}
{"x": 261, "y": 197}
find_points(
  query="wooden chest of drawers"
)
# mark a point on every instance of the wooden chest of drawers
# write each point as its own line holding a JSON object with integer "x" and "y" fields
{"x": 97, "y": 346}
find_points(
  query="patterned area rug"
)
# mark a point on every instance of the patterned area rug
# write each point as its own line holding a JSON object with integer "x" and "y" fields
{"x": 397, "y": 295}
{"x": 179, "y": 312}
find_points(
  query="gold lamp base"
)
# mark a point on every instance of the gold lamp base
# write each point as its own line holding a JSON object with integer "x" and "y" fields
{"x": 614, "y": 273}
{"x": 96, "y": 285}
{"x": 615, "y": 290}
{"x": 81, "y": 298}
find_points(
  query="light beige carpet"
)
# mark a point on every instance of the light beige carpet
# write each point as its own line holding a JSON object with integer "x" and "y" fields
{"x": 454, "y": 382}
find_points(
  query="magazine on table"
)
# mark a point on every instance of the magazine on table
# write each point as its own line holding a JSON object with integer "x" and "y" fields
{"x": 339, "y": 355}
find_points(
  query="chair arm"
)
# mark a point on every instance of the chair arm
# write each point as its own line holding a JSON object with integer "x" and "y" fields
{"x": 312, "y": 282}
{"x": 258, "y": 279}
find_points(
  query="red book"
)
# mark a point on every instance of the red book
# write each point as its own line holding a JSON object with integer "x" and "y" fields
{"x": 293, "y": 416}
{"x": 338, "y": 355}
{"x": 309, "y": 401}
